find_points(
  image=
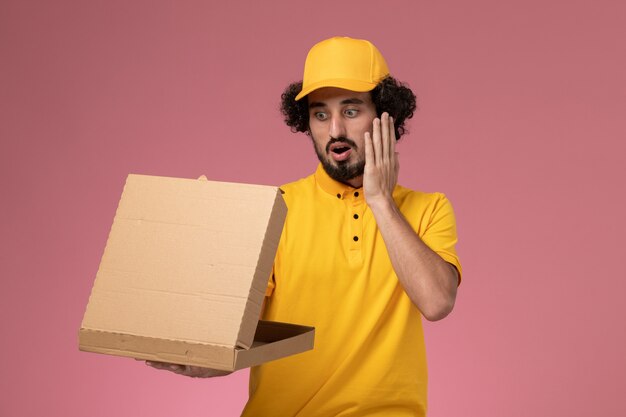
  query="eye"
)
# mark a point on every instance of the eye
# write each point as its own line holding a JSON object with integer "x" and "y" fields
{"x": 320, "y": 115}
{"x": 351, "y": 112}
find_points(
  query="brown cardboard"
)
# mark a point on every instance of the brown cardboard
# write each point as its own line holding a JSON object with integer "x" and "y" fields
{"x": 184, "y": 273}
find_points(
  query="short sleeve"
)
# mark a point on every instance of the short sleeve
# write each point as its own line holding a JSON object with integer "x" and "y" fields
{"x": 440, "y": 233}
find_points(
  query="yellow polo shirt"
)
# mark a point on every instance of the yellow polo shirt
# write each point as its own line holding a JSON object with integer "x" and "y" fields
{"x": 332, "y": 271}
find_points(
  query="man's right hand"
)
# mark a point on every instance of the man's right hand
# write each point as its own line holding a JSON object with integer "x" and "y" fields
{"x": 187, "y": 370}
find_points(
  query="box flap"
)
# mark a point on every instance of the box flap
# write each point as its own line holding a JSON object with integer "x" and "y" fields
{"x": 274, "y": 340}
{"x": 159, "y": 350}
{"x": 187, "y": 260}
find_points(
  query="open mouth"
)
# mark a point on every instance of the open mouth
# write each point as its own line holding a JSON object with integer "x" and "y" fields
{"x": 340, "y": 151}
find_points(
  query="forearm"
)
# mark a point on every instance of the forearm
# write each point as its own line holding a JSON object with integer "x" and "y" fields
{"x": 429, "y": 281}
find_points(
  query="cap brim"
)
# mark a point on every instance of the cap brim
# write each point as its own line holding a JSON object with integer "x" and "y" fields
{"x": 352, "y": 85}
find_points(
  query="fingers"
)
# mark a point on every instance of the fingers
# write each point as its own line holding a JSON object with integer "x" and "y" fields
{"x": 187, "y": 370}
{"x": 384, "y": 120}
{"x": 369, "y": 150}
{"x": 381, "y": 160}
{"x": 377, "y": 141}
{"x": 396, "y": 168}
{"x": 380, "y": 146}
{"x": 393, "y": 155}
{"x": 383, "y": 138}
{"x": 172, "y": 367}
{"x": 392, "y": 137}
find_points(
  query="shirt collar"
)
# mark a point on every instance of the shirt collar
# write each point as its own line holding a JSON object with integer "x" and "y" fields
{"x": 335, "y": 188}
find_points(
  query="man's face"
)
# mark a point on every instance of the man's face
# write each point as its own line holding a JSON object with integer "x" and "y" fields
{"x": 338, "y": 120}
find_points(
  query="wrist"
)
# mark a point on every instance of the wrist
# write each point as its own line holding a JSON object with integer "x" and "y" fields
{"x": 382, "y": 205}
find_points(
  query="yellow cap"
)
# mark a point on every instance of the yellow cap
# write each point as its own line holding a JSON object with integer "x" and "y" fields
{"x": 352, "y": 64}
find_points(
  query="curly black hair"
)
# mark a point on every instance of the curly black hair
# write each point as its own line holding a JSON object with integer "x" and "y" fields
{"x": 389, "y": 96}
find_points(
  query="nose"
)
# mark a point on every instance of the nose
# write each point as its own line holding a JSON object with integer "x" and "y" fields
{"x": 337, "y": 127}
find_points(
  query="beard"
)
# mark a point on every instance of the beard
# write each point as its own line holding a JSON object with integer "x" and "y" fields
{"x": 341, "y": 171}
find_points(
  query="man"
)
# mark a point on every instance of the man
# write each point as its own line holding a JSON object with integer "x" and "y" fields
{"x": 361, "y": 258}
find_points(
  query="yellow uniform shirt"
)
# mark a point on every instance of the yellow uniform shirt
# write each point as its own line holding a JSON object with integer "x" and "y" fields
{"x": 332, "y": 271}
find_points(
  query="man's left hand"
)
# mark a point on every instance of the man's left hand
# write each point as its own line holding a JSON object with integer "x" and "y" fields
{"x": 381, "y": 161}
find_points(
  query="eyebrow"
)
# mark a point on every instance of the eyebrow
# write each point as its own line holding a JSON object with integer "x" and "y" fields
{"x": 343, "y": 102}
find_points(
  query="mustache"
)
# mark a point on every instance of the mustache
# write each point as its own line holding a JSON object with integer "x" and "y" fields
{"x": 340, "y": 139}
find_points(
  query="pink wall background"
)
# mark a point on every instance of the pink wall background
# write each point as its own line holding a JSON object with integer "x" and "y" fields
{"x": 521, "y": 125}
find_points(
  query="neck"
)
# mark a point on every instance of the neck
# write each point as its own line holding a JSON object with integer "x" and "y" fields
{"x": 356, "y": 182}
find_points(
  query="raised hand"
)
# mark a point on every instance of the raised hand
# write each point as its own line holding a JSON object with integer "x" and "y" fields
{"x": 381, "y": 161}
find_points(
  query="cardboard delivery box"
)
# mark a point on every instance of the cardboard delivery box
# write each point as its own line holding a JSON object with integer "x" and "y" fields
{"x": 184, "y": 274}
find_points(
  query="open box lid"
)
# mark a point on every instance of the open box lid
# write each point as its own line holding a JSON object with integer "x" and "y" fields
{"x": 187, "y": 260}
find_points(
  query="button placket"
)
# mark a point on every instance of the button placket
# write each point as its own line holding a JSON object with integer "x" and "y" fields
{"x": 356, "y": 221}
